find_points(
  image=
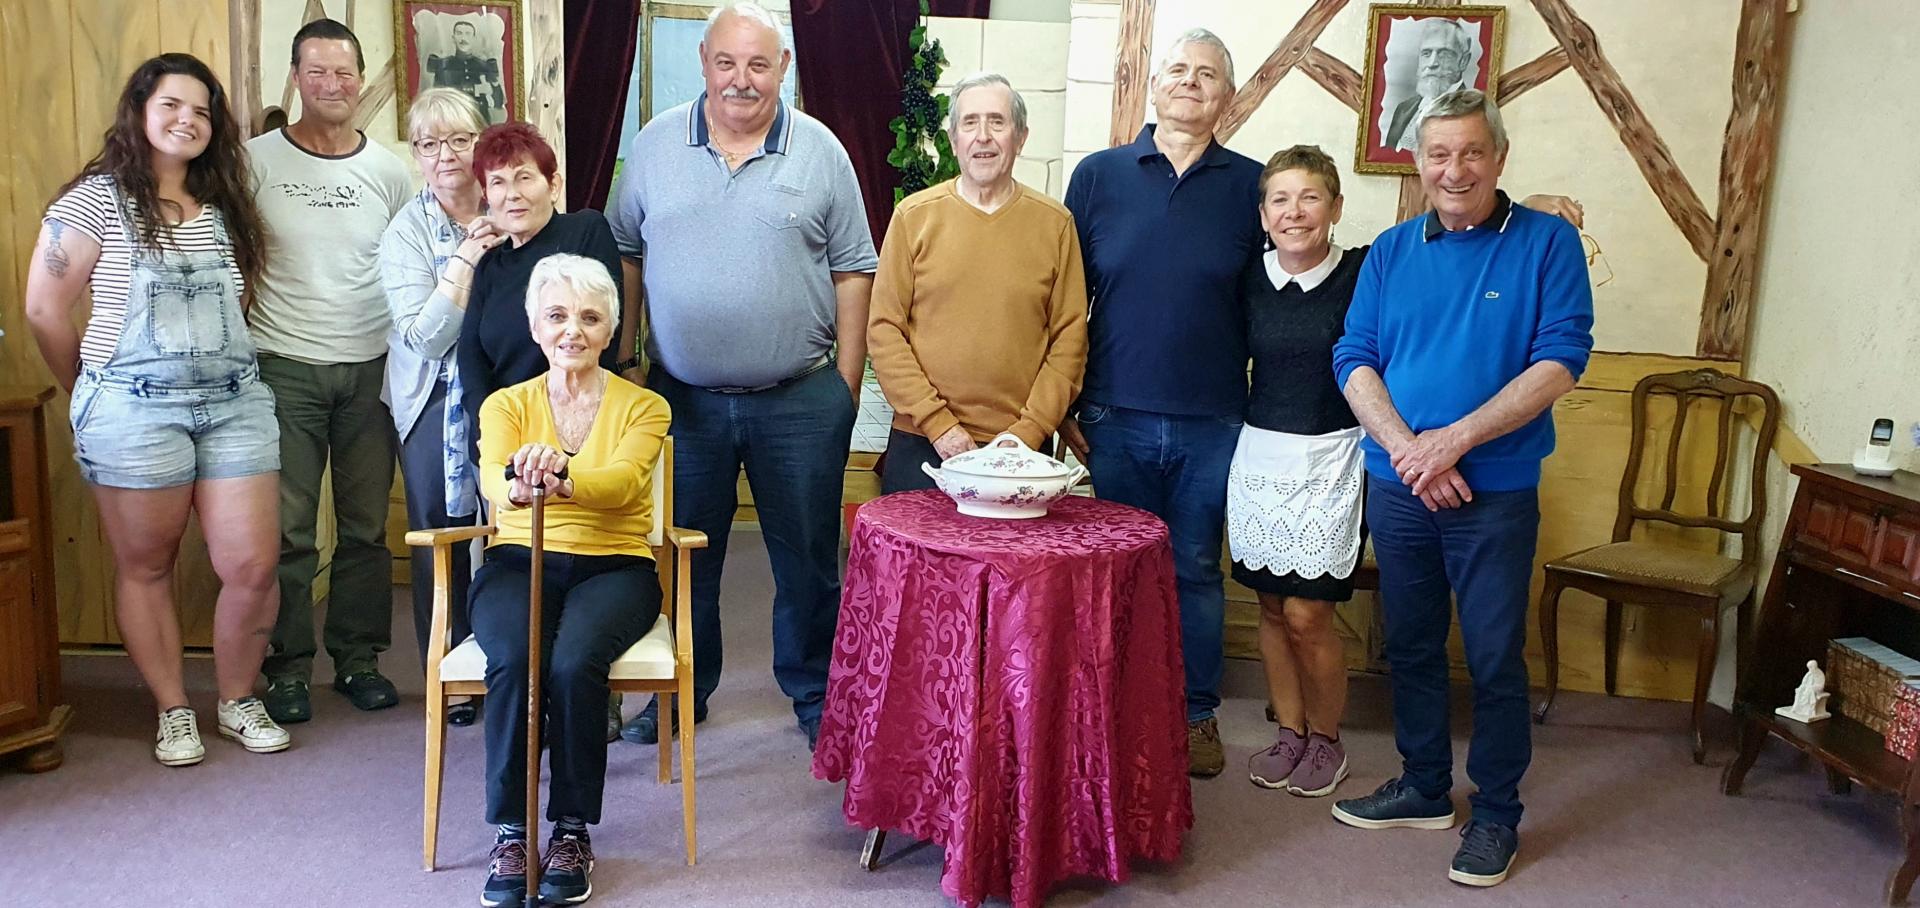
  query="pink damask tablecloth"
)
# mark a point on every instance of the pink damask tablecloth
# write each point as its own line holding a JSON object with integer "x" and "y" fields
{"x": 1012, "y": 691}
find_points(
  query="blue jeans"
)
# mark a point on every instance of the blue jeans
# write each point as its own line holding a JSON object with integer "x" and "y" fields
{"x": 1483, "y": 554}
{"x": 1176, "y": 468}
{"x": 792, "y": 440}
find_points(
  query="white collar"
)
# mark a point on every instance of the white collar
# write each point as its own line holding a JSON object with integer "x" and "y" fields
{"x": 1309, "y": 279}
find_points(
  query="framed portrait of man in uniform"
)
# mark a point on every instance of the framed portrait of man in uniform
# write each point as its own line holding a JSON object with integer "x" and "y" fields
{"x": 474, "y": 48}
{"x": 1415, "y": 54}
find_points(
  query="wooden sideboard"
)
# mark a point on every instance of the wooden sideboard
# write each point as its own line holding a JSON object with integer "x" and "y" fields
{"x": 31, "y": 716}
{"x": 1849, "y": 565}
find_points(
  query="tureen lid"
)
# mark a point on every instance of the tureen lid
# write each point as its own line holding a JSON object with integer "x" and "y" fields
{"x": 1005, "y": 455}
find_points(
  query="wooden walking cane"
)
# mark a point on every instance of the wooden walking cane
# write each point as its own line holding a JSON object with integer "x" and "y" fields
{"x": 533, "y": 692}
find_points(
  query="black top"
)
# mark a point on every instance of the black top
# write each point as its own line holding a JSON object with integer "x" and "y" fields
{"x": 496, "y": 348}
{"x": 1290, "y": 334}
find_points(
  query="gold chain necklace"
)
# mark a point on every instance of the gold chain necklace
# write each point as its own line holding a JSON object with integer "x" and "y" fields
{"x": 732, "y": 157}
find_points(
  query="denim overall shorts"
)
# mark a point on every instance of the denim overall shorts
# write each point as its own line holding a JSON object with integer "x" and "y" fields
{"x": 181, "y": 398}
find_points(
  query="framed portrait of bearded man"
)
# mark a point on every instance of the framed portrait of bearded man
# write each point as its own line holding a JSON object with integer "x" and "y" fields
{"x": 475, "y": 48}
{"x": 1416, "y": 54}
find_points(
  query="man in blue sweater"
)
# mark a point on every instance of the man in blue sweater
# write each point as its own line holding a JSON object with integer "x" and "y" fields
{"x": 1467, "y": 324}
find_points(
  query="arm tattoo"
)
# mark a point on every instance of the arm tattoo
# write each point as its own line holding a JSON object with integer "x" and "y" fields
{"x": 55, "y": 257}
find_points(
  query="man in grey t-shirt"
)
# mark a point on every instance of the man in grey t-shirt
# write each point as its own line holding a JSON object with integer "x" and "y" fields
{"x": 743, "y": 221}
{"x": 320, "y": 320}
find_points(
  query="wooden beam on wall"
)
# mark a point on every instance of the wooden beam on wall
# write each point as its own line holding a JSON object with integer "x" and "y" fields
{"x": 1132, "y": 60}
{"x": 1523, "y": 78}
{"x": 546, "y": 67}
{"x": 1335, "y": 76}
{"x": 1291, "y": 50}
{"x": 1746, "y": 168}
{"x": 1413, "y": 199}
{"x": 1656, "y": 162}
{"x": 242, "y": 48}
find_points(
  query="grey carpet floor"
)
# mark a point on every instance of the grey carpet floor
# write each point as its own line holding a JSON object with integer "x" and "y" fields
{"x": 1617, "y": 814}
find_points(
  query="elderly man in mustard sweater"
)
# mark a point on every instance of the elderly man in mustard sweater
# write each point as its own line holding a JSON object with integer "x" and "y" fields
{"x": 979, "y": 314}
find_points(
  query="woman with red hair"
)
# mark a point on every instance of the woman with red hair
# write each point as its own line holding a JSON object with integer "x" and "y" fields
{"x": 520, "y": 175}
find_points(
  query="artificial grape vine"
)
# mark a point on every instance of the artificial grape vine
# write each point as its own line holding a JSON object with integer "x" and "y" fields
{"x": 922, "y": 121}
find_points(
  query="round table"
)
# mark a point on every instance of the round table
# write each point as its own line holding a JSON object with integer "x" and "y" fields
{"x": 1012, "y": 691}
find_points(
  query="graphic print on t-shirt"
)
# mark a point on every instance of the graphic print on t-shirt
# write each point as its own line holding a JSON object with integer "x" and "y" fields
{"x": 325, "y": 196}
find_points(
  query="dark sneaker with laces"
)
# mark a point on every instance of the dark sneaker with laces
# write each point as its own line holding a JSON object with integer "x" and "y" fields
{"x": 287, "y": 701}
{"x": 506, "y": 875}
{"x": 645, "y": 727}
{"x": 567, "y": 869}
{"x": 812, "y": 729}
{"x": 1486, "y": 854}
{"x": 367, "y": 689}
{"x": 1205, "y": 757}
{"x": 1395, "y": 805}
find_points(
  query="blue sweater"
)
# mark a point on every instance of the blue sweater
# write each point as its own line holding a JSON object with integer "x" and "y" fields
{"x": 1448, "y": 318}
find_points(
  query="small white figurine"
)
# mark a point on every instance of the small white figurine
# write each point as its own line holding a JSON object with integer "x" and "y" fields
{"x": 1810, "y": 698}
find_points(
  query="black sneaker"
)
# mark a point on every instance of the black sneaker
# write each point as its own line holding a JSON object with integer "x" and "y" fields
{"x": 812, "y": 728}
{"x": 1395, "y": 805}
{"x": 645, "y": 728}
{"x": 367, "y": 689}
{"x": 1486, "y": 853}
{"x": 566, "y": 873}
{"x": 506, "y": 875}
{"x": 287, "y": 701}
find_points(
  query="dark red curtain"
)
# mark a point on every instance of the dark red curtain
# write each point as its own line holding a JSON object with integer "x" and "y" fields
{"x": 851, "y": 54}
{"x": 601, "y": 38}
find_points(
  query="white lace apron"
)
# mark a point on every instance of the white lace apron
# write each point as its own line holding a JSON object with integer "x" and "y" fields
{"x": 1293, "y": 502}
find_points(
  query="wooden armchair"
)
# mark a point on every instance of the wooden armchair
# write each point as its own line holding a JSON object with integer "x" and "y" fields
{"x": 1652, "y": 573}
{"x": 660, "y": 663}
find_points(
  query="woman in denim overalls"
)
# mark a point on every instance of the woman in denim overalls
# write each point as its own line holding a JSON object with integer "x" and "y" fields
{"x": 168, "y": 412}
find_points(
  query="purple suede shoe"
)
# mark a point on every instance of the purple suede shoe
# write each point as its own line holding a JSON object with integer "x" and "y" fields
{"x": 1321, "y": 768}
{"x": 1270, "y": 768}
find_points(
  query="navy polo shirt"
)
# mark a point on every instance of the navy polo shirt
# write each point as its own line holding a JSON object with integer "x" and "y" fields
{"x": 1164, "y": 254}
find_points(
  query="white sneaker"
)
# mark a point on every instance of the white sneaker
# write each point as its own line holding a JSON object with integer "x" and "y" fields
{"x": 177, "y": 743}
{"x": 245, "y": 720}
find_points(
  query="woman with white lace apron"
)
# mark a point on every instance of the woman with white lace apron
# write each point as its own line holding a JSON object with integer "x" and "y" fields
{"x": 1293, "y": 492}
{"x": 1294, "y": 489}
{"x": 169, "y": 415}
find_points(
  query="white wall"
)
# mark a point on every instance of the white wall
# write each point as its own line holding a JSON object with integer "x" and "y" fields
{"x": 1836, "y": 325}
{"x": 1033, "y": 56}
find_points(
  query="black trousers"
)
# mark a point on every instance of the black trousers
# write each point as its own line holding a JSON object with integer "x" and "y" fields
{"x": 425, "y": 472}
{"x": 593, "y": 607}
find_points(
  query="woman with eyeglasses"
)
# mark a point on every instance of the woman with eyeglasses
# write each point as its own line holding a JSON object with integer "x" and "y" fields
{"x": 427, "y": 260}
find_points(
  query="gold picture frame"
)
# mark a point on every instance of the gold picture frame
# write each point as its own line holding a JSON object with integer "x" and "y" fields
{"x": 1391, "y": 93}
{"x": 432, "y": 50}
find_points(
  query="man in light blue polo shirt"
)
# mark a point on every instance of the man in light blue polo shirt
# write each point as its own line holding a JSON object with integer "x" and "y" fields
{"x": 742, "y": 220}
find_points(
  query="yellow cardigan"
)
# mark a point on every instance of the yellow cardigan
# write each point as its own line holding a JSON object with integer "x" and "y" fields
{"x": 611, "y": 511}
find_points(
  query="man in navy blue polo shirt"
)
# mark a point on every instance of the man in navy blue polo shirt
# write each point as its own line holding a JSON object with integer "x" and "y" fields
{"x": 1466, "y": 325}
{"x": 1166, "y": 225}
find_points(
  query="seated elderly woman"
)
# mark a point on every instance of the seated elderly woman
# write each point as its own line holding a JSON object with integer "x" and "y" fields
{"x": 590, "y": 438}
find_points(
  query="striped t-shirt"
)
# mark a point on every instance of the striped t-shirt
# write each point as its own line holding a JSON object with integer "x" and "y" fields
{"x": 89, "y": 208}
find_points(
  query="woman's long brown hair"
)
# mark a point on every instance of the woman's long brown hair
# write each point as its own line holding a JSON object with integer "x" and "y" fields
{"x": 218, "y": 177}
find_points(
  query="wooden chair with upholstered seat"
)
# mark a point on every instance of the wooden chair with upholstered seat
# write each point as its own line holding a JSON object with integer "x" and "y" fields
{"x": 660, "y": 663}
{"x": 1651, "y": 573}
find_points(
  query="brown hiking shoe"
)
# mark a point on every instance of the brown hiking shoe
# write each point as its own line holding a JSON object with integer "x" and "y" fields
{"x": 1205, "y": 757}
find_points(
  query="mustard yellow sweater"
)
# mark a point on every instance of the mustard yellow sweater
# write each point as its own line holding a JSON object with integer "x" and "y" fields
{"x": 611, "y": 511}
{"x": 979, "y": 320}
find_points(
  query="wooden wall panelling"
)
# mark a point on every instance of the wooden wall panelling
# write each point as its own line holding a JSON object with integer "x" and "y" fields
{"x": 1132, "y": 63}
{"x": 198, "y": 28}
{"x": 1746, "y": 165}
{"x": 1291, "y": 50}
{"x": 243, "y": 75}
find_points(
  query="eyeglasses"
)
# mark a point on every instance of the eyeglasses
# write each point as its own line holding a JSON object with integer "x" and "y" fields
{"x": 1596, "y": 258}
{"x": 430, "y": 147}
